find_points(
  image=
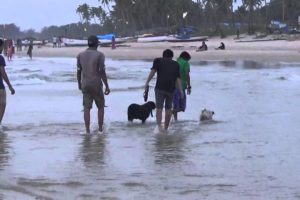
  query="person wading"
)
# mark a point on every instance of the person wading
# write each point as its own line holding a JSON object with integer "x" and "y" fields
{"x": 91, "y": 75}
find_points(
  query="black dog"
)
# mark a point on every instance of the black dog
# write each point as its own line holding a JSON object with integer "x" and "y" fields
{"x": 141, "y": 112}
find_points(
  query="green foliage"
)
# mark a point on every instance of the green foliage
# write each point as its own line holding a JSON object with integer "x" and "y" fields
{"x": 131, "y": 17}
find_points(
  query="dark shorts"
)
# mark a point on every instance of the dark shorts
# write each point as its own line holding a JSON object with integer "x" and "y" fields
{"x": 91, "y": 94}
{"x": 179, "y": 104}
{"x": 161, "y": 98}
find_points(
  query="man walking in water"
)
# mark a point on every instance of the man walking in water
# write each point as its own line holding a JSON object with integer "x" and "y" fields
{"x": 90, "y": 75}
{"x": 3, "y": 76}
{"x": 167, "y": 76}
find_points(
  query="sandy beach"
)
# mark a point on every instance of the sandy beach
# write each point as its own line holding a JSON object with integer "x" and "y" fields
{"x": 262, "y": 51}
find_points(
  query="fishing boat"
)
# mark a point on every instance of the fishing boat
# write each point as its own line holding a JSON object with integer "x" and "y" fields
{"x": 106, "y": 40}
{"x": 190, "y": 39}
{"x": 151, "y": 38}
{"x": 74, "y": 42}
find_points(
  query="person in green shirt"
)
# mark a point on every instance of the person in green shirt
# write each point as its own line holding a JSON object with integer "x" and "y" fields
{"x": 179, "y": 104}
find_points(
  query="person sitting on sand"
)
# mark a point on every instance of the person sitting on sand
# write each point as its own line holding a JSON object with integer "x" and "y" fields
{"x": 203, "y": 47}
{"x": 221, "y": 47}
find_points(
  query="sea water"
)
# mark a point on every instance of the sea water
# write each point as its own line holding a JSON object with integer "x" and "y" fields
{"x": 250, "y": 151}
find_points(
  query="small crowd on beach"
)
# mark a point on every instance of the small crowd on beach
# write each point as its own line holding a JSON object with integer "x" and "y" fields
{"x": 8, "y": 48}
{"x": 172, "y": 84}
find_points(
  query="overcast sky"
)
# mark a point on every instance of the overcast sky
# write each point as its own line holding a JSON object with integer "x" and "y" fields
{"x": 37, "y": 14}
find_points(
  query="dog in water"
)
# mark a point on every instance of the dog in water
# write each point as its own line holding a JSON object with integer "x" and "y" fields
{"x": 206, "y": 115}
{"x": 140, "y": 112}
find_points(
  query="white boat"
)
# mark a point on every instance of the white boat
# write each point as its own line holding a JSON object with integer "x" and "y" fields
{"x": 35, "y": 42}
{"x": 191, "y": 39}
{"x": 77, "y": 42}
{"x": 74, "y": 42}
{"x": 152, "y": 39}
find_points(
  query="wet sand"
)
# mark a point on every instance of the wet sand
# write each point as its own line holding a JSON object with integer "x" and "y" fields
{"x": 265, "y": 51}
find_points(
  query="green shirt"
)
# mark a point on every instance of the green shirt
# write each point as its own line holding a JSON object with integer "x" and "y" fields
{"x": 184, "y": 69}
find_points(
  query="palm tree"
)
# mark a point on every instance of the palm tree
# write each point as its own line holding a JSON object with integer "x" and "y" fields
{"x": 84, "y": 12}
{"x": 216, "y": 9}
{"x": 251, "y": 5}
{"x": 99, "y": 13}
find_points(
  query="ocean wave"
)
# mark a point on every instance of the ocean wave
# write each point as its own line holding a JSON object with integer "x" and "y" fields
{"x": 33, "y": 81}
{"x": 126, "y": 89}
{"x": 25, "y": 70}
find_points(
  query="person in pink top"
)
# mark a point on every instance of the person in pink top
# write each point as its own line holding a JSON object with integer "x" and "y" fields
{"x": 10, "y": 50}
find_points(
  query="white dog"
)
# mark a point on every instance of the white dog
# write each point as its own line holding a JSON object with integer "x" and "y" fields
{"x": 206, "y": 115}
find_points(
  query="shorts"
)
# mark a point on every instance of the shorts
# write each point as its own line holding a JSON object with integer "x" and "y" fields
{"x": 2, "y": 97}
{"x": 162, "y": 97}
{"x": 179, "y": 104}
{"x": 91, "y": 94}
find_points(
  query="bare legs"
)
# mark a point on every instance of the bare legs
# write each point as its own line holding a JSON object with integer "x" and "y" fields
{"x": 159, "y": 118}
{"x": 2, "y": 110}
{"x": 175, "y": 114}
{"x": 100, "y": 118}
{"x": 168, "y": 114}
{"x": 87, "y": 119}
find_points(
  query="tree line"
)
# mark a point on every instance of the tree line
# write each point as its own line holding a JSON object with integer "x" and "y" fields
{"x": 132, "y": 17}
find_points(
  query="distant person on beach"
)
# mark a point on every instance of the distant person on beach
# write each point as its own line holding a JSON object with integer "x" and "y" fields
{"x": 10, "y": 50}
{"x": 3, "y": 76}
{"x": 113, "y": 42}
{"x": 30, "y": 48}
{"x": 5, "y": 46}
{"x": 238, "y": 33}
{"x": 91, "y": 75}
{"x": 203, "y": 47}
{"x": 221, "y": 47}
{"x": 54, "y": 41}
{"x": 167, "y": 77}
{"x": 19, "y": 44}
{"x": 179, "y": 104}
{"x": 59, "y": 42}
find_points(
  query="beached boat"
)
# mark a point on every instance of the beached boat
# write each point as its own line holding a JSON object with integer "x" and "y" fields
{"x": 148, "y": 38}
{"x": 74, "y": 42}
{"x": 107, "y": 43}
{"x": 35, "y": 42}
{"x": 106, "y": 40}
{"x": 191, "y": 39}
{"x": 77, "y": 42}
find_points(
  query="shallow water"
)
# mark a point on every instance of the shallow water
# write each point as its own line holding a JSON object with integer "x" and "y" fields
{"x": 250, "y": 151}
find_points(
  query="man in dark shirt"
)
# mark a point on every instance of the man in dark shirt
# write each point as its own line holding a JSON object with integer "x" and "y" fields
{"x": 3, "y": 76}
{"x": 167, "y": 76}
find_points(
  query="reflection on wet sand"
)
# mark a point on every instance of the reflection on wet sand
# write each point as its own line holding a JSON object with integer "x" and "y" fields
{"x": 93, "y": 150}
{"x": 4, "y": 150}
{"x": 169, "y": 148}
